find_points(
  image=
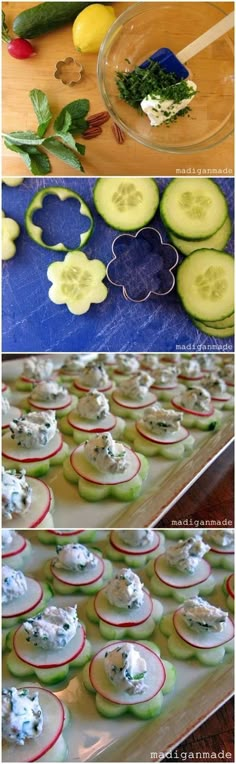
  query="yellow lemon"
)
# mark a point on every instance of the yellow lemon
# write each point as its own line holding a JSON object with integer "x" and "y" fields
{"x": 91, "y": 26}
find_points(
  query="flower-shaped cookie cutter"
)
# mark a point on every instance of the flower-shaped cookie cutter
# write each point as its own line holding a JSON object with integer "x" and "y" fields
{"x": 142, "y": 265}
{"x": 68, "y": 71}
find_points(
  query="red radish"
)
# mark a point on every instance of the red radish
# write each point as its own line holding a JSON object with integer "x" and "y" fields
{"x": 122, "y": 617}
{"x": 49, "y": 450}
{"x": 221, "y": 398}
{"x": 219, "y": 550}
{"x": 183, "y": 434}
{"x": 53, "y": 723}
{"x": 13, "y": 413}
{"x": 17, "y": 546}
{"x": 107, "y": 424}
{"x": 34, "y": 382}
{"x": 177, "y": 405}
{"x": 50, "y": 404}
{"x": 79, "y": 577}
{"x": 230, "y": 585}
{"x": 27, "y": 602}
{"x": 164, "y": 387}
{"x": 47, "y": 659}
{"x": 19, "y": 48}
{"x": 190, "y": 379}
{"x": 150, "y": 398}
{"x": 41, "y": 504}
{"x": 204, "y": 641}
{"x": 86, "y": 389}
{"x": 176, "y": 578}
{"x": 155, "y": 677}
{"x": 88, "y": 472}
{"x": 65, "y": 533}
{"x": 4, "y": 388}
{"x": 120, "y": 546}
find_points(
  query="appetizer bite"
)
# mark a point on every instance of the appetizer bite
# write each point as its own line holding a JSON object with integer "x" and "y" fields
{"x": 190, "y": 371}
{"x": 93, "y": 375}
{"x": 48, "y": 395}
{"x": 35, "y": 369}
{"x": 181, "y": 571}
{"x": 199, "y": 630}
{"x": 228, "y": 589}
{"x": 135, "y": 546}
{"x": 91, "y": 416}
{"x": 133, "y": 396}
{"x": 166, "y": 383}
{"x": 123, "y": 608}
{"x": 33, "y": 720}
{"x": 26, "y": 501}
{"x": 21, "y": 595}
{"x": 15, "y": 549}
{"x": 221, "y": 552}
{"x": 219, "y": 392}
{"x": 76, "y": 569}
{"x": 198, "y": 410}
{"x": 102, "y": 467}
{"x": 9, "y": 412}
{"x": 160, "y": 433}
{"x": 33, "y": 444}
{"x": 72, "y": 364}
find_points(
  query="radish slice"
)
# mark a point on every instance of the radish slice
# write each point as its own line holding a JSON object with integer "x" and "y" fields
{"x": 20, "y": 454}
{"x": 28, "y": 601}
{"x": 84, "y": 425}
{"x": 65, "y": 533}
{"x": 222, "y": 398}
{"x": 86, "y": 389}
{"x": 13, "y": 413}
{"x": 79, "y": 577}
{"x": 172, "y": 439}
{"x": 122, "y": 617}
{"x": 230, "y": 585}
{"x": 220, "y": 550}
{"x": 177, "y": 579}
{"x": 53, "y": 722}
{"x": 39, "y": 508}
{"x": 61, "y": 403}
{"x": 88, "y": 472}
{"x": 202, "y": 641}
{"x": 47, "y": 659}
{"x": 4, "y": 387}
{"x": 35, "y": 381}
{"x": 155, "y": 676}
{"x": 17, "y": 546}
{"x": 191, "y": 379}
{"x": 177, "y": 405}
{"x": 164, "y": 387}
{"x": 125, "y": 549}
{"x": 127, "y": 403}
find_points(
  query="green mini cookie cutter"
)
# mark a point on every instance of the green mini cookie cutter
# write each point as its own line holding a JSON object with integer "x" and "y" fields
{"x": 35, "y": 232}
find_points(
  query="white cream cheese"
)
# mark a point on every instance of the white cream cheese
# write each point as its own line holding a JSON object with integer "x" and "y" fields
{"x": 48, "y": 391}
{"x": 186, "y": 555}
{"x": 229, "y": 372}
{"x": 166, "y": 376}
{"x": 93, "y": 375}
{"x": 160, "y": 109}
{"x": 150, "y": 360}
{"x": 37, "y": 368}
{"x": 5, "y": 405}
{"x": 22, "y": 717}
{"x": 162, "y": 421}
{"x": 109, "y": 358}
{"x": 105, "y": 454}
{"x": 215, "y": 384}
{"x": 136, "y": 387}
{"x": 74, "y": 557}
{"x": 7, "y": 538}
{"x": 125, "y": 668}
{"x": 196, "y": 398}
{"x": 93, "y": 405}
{"x": 190, "y": 368}
{"x": 137, "y": 537}
{"x": 16, "y": 493}
{"x": 74, "y": 362}
{"x": 223, "y": 537}
{"x": 126, "y": 363}
{"x": 14, "y": 584}
{"x": 34, "y": 430}
{"x": 207, "y": 361}
{"x": 203, "y": 617}
{"x": 52, "y": 629}
{"x": 125, "y": 590}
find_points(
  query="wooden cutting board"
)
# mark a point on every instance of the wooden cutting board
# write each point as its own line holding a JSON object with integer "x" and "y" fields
{"x": 103, "y": 155}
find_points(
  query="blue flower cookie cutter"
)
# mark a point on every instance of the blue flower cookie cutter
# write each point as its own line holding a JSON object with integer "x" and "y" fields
{"x": 142, "y": 265}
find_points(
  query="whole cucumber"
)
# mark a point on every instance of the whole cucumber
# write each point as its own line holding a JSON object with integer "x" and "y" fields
{"x": 45, "y": 17}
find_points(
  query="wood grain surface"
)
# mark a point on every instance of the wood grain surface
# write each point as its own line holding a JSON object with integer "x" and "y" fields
{"x": 103, "y": 155}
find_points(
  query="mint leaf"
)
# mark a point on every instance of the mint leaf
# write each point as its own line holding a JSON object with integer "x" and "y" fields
{"x": 24, "y": 138}
{"x": 35, "y": 159}
{"x": 5, "y": 33}
{"x": 78, "y": 110}
{"x": 66, "y": 123}
{"x": 80, "y": 148}
{"x": 42, "y": 110}
{"x": 63, "y": 152}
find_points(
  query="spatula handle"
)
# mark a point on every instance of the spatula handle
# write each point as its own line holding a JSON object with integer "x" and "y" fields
{"x": 207, "y": 38}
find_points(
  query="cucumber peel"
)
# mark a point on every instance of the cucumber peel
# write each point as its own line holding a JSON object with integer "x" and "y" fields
{"x": 36, "y": 233}
{"x": 218, "y": 240}
{"x": 214, "y": 332}
{"x": 205, "y": 285}
{"x": 126, "y": 204}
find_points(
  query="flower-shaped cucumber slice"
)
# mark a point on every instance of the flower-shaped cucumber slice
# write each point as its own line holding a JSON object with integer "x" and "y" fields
{"x": 40, "y": 459}
{"x": 66, "y": 537}
{"x": 221, "y": 557}
{"x": 150, "y": 445}
{"x": 10, "y": 232}
{"x": 49, "y": 666}
{"x": 86, "y": 581}
{"x": 134, "y": 557}
{"x": 142, "y": 265}
{"x": 167, "y": 582}
{"x": 16, "y": 553}
{"x": 95, "y": 486}
{"x": 36, "y": 233}
{"x": 118, "y": 623}
{"x": 50, "y": 743}
{"x": 31, "y": 603}
{"x": 77, "y": 282}
{"x": 209, "y": 649}
{"x": 111, "y": 704}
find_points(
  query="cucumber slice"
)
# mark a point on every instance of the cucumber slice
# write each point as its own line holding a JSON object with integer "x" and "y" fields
{"x": 193, "y": 208}
{"x": 205, "y": 285}
{"x": 227, "y": 332}
{"x": 217, "y": 241}
{"x": 126, "y": 204}
{"x": 17, "y": 667}
{"x": 108, "y": 709}
{"x": 223, "y": 324}
{"x": 166, "y": 624}
{"x": 65, "y": 537}
{"x": 150, "y": 709}
{"x": 36, "y": 233}
{"x": 179, "y": 649}
{"x": 170, "y": 677}
{"x": 211, "y": 657}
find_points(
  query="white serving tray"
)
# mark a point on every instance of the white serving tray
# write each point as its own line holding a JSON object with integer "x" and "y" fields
{"x": 199, "y": 690}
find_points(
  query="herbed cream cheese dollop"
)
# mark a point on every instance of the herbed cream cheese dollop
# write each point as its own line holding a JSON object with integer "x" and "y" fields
{"x": 127, "y": 364}
{"x": 137, "y": 537}
{"x": 16, "y": 493}
{"x": 37, "y": 368}
{"x": 34, "y": 430}
{"x": 74, "y": 362}
{"x": 7, "y": 537}
{"x": 186, "y": 555}
{"x": 5, "y": 405}
{"x": 190, "y": 368}
{"x": 162, "y": 421}
{"x": 126, "y": 669}
{"x": 203, "y": 617}
{"x": 159, "y": 108}
{"x": 215, "y": 384}
{"x": 22, "y": 717}
{"x": 74, "y": 557}
{"x": 14, "y": 584}
{"x": 223, "y": 537}
{"x": 48, "y": 391}
{"x": 52, "y": 629}
{"x": 196, "y": 398}
{"x": 136, "y": 387}
{"x": 93, "y": 405}
{"x": 166, "y": 376}
{"x": 93, "y": 375}
{"x": 105, "y": 454}
{"x": 125, "y": 590}
{"x": 150, "y": 360}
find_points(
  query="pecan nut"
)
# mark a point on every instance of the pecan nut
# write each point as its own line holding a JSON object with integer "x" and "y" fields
{"x": 118, "y": 133}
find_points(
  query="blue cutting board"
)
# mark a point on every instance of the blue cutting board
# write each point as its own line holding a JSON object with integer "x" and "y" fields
{"x": 31, "y": 322}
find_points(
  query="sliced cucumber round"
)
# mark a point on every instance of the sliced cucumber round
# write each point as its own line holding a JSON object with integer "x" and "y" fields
{"x": 205, "y": 285}
{"x": 214, "y": 332}
{"x": 217, "y": 241}
{"x": 36, "y": 233}
{"x": 126, "y": 204}
{"x": 225, "y": 323}
{"x": 193, "y": 208}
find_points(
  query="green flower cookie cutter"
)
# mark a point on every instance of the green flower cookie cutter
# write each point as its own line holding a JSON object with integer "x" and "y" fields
{"x": 36, "y": 233}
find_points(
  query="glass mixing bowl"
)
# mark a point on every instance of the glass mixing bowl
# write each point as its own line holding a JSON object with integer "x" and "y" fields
{"x": 146, "y": 27}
